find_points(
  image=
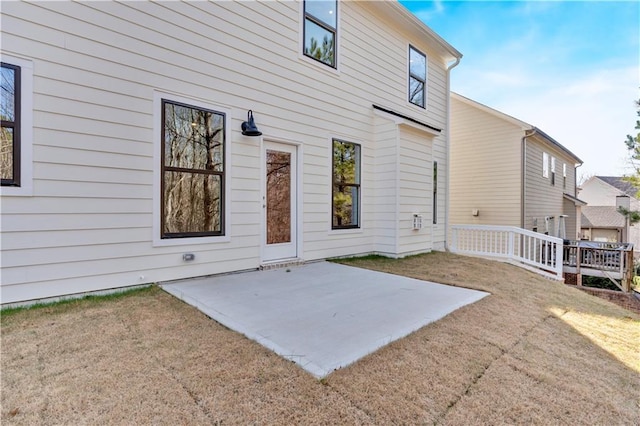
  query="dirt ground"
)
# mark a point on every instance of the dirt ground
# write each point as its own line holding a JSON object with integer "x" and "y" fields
{"x": 533, "y": 352}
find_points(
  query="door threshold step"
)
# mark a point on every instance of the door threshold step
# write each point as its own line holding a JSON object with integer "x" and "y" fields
{"x": 284, "y": 263}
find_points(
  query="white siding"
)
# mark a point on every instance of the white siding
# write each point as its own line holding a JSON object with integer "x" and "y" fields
{"x": 97, "y": 65}
{"x": 415, "y": 190}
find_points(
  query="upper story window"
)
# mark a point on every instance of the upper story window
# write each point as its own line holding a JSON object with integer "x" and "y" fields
{"x": 564, "y": 175}
{"x": 192, "y": 172}
{"x": 553, "y": 170}
{"x": 417, "y": 77}
{"x": 545, "y": 165}
{"x": 321, "y": 30}
{"x": 10, "y": 131}
{"x": 346, "y": 185}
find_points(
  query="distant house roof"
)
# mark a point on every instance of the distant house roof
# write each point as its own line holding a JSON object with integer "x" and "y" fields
{"x": 618, "y": 182}
{"x": 522, "y": 124}
{"x": 602, "y": 217}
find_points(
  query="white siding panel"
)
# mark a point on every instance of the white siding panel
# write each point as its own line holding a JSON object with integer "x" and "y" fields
{"x": 97, "y": 66}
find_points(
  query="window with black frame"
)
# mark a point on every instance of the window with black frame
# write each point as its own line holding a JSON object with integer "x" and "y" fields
{"x": 321, "y": 30}
{"x": 193, "y": 178}
{"x": 346, "y": 185}
{"x": 417, "y": 77}
{"x": 10, "y": 127}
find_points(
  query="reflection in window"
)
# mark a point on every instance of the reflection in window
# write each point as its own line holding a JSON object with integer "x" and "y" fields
{"x": 320, "y": 30}
{"x": 346, "y": 185}
{"x": 192, "y": 171}
{"x": 10, "y": 128}
{"x": 278, "y": 197}
{"x": 417, "y": 77}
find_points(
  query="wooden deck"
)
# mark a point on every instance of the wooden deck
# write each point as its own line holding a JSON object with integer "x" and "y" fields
{"x": 597, "y": 259}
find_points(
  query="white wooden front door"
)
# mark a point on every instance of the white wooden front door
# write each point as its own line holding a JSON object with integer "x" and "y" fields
{"x": 279, "y": 202}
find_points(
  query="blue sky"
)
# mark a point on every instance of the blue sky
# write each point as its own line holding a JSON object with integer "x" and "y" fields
{"x": 571, "y": 68}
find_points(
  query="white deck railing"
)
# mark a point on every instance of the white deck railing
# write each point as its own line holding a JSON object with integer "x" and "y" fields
{"x": 538, "y": 251}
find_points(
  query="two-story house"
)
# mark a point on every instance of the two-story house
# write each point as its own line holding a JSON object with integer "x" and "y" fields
{"x": 601, "y": 220}
{"x": 151, "y": 141}
{"x": 505, "y": 171}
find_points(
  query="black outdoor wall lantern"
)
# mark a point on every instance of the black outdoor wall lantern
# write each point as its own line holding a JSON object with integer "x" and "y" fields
{"x": 249, "y": 127}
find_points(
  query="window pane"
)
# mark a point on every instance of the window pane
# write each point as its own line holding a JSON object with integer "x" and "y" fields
{"x": 416, "y": 92}
{"x": 346, "y": 163}
{"x": 278, "y": 197}
{"x": 318, "y": 43}
{"x": 192, "y": 203}
{"x": 6, "y": 153}
{"x": 7, "y": 99}
{"x": 345, "y": 205}
{"x": 323, "y": 10}
{"x": 193, "y": 138}
{"x": 346, "y": 181}
{"x": 417, "y": 64}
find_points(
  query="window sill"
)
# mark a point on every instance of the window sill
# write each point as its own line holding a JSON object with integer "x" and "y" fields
{"x": 345, "y": 231}
{"x": 188, "y": 241}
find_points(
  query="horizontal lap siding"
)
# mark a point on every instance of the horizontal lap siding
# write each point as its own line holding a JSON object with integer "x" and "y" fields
{"x": 485, "y": 167}
{"x": 415, "y": 190}
{"x": 96, "y": 66}
{"x": 541, "y": 198}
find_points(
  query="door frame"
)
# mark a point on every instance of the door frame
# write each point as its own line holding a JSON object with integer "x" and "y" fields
{"x": 298, "y": 146}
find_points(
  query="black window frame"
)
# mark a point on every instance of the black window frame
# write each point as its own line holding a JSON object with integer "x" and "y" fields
{"x": 435, "y": 192}
{"x": 352, "y": 185}
{"x": 311, "y": 18}
{"x": 418, "y": 78}
{"x": 164, "y": 168}
{"x": 15, "y": 125}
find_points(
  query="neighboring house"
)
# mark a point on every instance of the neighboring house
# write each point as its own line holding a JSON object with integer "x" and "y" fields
{"x": 603, "y": 223}
{"x": 507, "y": 172}
{"x": 123, "y": 155}
{"x": 604, "y": 195}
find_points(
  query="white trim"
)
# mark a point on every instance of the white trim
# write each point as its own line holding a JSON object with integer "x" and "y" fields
{"x": 298, "y": 147}
{"x": 26, "y": 129}
{"x": 399, "y": 121}
{"x": 157, "y": 152}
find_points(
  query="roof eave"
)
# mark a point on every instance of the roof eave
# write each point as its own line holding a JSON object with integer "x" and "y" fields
{"x": 405, "y": 19}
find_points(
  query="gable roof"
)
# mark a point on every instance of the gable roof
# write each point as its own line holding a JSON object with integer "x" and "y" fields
{"x": 602, "y": 217}
{"x": 619, "y": 183}
{"x": 522, "y": 124}
{"x": 399, "y": 14}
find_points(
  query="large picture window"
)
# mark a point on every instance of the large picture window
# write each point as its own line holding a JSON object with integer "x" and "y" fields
{"x": 10, "y": 130}
{"x": 193, "y": 178}
{"x": 417, "y": 77}
{"x": 346, "y": 185}
{"x": 321, "y": 30}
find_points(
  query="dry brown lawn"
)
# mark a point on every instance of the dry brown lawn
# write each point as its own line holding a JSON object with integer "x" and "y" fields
{"x": 534, "y": 352}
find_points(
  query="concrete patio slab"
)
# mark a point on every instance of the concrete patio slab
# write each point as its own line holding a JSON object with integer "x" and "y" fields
{"x": 323, "y": 316}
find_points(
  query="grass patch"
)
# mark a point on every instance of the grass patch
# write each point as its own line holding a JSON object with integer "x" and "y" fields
{"x": 63, "y": 305}
{"x": 534, "y": 352}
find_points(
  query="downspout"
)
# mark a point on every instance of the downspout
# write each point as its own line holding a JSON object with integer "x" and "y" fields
{"x": 575, "y": 194}
{"x": 448, "y": 142}
{"x": 523, "y": 189}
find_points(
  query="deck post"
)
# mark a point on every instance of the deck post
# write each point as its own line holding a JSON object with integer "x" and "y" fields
{"x": 578, "y": 262}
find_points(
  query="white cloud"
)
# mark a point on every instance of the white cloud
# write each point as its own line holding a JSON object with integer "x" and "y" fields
{"x": 426, "y": 14}
{"x": 590, "y": 115}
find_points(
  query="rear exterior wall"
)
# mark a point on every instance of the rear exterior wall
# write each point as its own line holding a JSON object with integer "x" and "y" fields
{"x": 98, "y": 68}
